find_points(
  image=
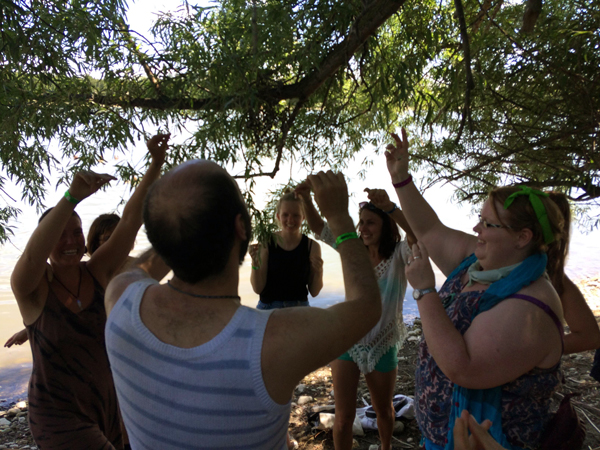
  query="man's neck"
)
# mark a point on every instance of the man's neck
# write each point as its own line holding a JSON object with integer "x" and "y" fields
{"x": 223, "y": 285}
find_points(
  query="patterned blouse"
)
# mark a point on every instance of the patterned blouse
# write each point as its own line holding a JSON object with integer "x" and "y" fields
{"x": 390, "y": 330}
{"x": 525, "y": 401}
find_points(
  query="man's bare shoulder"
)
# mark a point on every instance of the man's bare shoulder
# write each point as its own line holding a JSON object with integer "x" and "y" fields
{"x": 292, "y": 328}
{"x": 118, "y": 284}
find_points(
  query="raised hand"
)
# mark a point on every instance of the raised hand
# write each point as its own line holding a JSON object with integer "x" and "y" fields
{"x": 253, "y": 250}
{"x": 302, "y": 192}
{"x": 380, "y": 198}
{"x": 314, "y": 220}
{"x": 157, "y": 146}
{"x": 397, "y": 156}
{"x": 331, "y": 194}
{"x": 419, "y": 272}
{"x": 86, "y": 182}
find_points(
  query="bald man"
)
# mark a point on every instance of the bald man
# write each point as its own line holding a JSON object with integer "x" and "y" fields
{"x": 192, "y": 367}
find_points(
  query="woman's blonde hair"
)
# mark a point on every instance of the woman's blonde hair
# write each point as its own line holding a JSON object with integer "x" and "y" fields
{"x": 288, "y": 196}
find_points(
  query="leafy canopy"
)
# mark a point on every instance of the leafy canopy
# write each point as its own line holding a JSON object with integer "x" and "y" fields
{"x": 532, "y": 114}
{"x": 255, "y": 83}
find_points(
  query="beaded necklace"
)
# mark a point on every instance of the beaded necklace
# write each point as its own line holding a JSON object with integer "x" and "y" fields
{"x": 75, "y": 296}
{"x": 237, "y": 297}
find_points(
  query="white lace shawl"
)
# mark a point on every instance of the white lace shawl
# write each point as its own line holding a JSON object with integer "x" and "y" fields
{"x": 390, "y": 330}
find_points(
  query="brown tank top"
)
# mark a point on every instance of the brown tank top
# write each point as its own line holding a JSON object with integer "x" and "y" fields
{"x": 72, "y": 399}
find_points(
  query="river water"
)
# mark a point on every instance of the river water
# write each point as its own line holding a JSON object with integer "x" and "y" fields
{"x": 15, "y": 363}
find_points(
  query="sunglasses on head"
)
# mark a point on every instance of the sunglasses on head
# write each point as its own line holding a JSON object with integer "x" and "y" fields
{"x": 367, "y": 205}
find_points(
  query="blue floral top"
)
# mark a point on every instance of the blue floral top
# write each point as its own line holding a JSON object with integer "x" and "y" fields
{"x": 525, "y": 401}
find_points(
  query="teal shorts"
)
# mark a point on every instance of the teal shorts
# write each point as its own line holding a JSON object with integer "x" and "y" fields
{"x": 387, "y": 363}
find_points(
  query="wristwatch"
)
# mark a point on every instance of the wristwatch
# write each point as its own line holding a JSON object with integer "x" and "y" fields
{"x": 419, "y": 293}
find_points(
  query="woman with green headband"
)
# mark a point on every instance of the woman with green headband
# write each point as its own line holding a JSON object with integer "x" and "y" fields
{"x": 492, "y": 337}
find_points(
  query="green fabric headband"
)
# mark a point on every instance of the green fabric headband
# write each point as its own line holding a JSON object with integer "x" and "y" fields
{"x": 538, "y": 207}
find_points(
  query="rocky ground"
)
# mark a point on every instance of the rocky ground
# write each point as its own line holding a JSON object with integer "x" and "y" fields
{"x": 318, "y": 387}
{"x": 14, "y": 430}
{"x": 316, "y": 390}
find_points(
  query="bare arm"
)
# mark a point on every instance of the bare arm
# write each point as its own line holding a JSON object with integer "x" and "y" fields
{"x": 448, "y": 247}
{"x": 299, "y": 340}
{"x": 260, "y": 267}
{"x": 109, "y": 258}
{"x": 31, "y": 266}
{"x": 584, "y": 332}
{"x": 313, "y": 218}
{"x": 27, "y": 280}
{"x": 315, "y": 278}
{"x": 500, "y": 345}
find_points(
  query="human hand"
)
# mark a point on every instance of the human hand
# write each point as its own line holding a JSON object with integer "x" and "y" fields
{"x": 157, "y": 146}
{"x": 480, "y": 438}
{"x": 253, "y": 251}
{"x": 17, "y": 339}
{"x": 397, "y": 157}
{"x": 331, "y": 194}
{"x": 380, "y": 198}
{"x": 302, "y": 192}
{"x": 86, "y": 182}
{"x": 419, "y": 272}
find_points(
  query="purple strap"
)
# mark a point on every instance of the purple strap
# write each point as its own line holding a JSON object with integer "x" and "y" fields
{"x": 547, "y": 310}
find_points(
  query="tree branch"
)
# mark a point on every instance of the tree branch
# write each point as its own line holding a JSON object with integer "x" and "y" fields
{"x": 534, "y": 54}
{"x": 373, "y": 16}
{"x": 532, "y": 12}
{"x": 285, "y": 128}
{"x": 140, "y": 56}
{"x": 464, "y": 35}
{"x": 366, "y": 24}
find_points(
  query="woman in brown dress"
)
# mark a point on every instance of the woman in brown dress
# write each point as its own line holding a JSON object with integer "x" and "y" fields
{"x": 101, "y": 229}
{"x": 72, "y": 401}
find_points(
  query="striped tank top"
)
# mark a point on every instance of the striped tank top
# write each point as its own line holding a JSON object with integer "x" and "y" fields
{"x": 207, "y": 397}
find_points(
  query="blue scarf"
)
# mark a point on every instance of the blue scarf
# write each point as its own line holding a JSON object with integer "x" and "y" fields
{"x": 487, "y": 403}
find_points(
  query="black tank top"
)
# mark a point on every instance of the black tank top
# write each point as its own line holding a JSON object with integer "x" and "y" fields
{"x": 287, "y": 273}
